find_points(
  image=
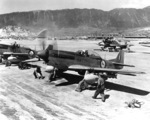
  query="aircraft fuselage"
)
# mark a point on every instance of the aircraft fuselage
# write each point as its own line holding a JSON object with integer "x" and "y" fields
{"x": 63, "y": 59}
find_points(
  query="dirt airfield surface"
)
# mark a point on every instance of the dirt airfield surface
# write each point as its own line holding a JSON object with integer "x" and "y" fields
{"x": 24, "y": 98}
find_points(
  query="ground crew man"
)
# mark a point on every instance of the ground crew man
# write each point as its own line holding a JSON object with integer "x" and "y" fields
{"x": 100, "y": 87}
{"x": 82, "y": 84}
{"x": 52, "y": 76}
{"x": 37, "y": 73}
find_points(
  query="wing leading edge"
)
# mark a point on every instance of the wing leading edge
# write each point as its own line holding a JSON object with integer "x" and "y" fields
{"x": 96, "y": 69}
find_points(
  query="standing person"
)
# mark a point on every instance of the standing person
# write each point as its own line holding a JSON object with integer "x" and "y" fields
{"x": 52, "y": 76}
{"x": 100, "y": 87}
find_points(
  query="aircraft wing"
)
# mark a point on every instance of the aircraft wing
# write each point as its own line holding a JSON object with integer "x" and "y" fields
{"x": 15, "y": 54}
{"x": 30, "y": 55}
{"x": 109, "y": 70}
{"x": 31, "y": 60}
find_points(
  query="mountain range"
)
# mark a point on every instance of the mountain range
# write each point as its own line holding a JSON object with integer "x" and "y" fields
{"x": 78, "y": 21}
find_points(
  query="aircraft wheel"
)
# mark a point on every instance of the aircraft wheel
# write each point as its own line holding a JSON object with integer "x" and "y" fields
{"x": 24, "y": 66}
{"x": 20, "y": 65}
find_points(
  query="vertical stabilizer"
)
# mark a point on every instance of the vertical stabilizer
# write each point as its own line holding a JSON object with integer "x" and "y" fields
{"x": 120, "y": 57}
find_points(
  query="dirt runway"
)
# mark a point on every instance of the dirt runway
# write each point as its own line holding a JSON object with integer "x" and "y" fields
{"x": 22, "y": 97}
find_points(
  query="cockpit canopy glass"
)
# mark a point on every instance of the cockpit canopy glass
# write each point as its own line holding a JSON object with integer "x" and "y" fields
{"x": 88, "y": 53}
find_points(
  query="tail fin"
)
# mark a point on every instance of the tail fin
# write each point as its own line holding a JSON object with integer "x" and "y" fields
{"x": 120, "y": 57}
{"x": 119, "y": 61}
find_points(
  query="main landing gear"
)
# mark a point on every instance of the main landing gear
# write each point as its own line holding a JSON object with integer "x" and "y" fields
{"x": 23, "y": 66}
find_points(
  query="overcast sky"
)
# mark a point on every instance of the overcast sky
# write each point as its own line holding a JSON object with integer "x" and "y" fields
{"x": 7, "y": 6}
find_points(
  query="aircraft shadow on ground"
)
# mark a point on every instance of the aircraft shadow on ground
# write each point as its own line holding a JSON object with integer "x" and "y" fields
{"x": 123, "y": 88}
{"x": 71, "y": 79}
{"x": 75, "y": 79}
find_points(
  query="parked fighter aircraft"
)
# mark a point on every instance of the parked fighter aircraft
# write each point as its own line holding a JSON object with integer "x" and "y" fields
{"x": 15, "y": 54}
{"x": 114, "y": 45}
{"x": 59, "y": 61}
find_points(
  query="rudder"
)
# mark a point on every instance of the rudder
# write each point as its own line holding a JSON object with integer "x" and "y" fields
{"x": 120, "y": 57}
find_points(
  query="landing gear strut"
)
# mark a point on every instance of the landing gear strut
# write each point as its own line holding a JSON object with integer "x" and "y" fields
{"x": 22, "y": 66}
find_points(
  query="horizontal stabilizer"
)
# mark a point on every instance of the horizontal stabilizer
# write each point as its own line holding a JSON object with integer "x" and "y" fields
{"x": 120, "y": 64}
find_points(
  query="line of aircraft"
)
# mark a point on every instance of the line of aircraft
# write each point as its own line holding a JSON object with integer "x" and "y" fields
{"x": 20, "y": 55}
{"x": 15, "y": 53}
{"x": 59, "y": 61}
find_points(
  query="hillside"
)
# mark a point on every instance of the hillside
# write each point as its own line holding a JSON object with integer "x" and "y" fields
{"x": 78, "y": 21}
{"x": 16, "y": 32}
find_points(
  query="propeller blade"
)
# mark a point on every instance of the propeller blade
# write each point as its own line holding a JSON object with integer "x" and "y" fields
{"x": 42, "y": 37}
{"x": 55, "y": 45}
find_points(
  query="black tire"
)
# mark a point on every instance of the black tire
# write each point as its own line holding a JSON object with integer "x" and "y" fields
{"x": 20, "y": 65}
{"x": 110, "y": 50}
{"x": 24, "y": 66}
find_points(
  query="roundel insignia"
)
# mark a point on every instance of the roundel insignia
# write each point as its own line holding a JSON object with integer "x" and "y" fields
{"x": 103, "y": 64}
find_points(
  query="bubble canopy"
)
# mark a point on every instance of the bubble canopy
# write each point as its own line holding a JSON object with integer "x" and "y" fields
{"x": 88, "y": 53}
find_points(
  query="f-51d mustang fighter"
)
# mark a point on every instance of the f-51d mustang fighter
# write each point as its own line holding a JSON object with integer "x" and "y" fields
{"x": 16, "y": 54}
{"x": 114, "y": 45}
{"x": 13, "y": 54}
{"x": 59, "y": 61}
